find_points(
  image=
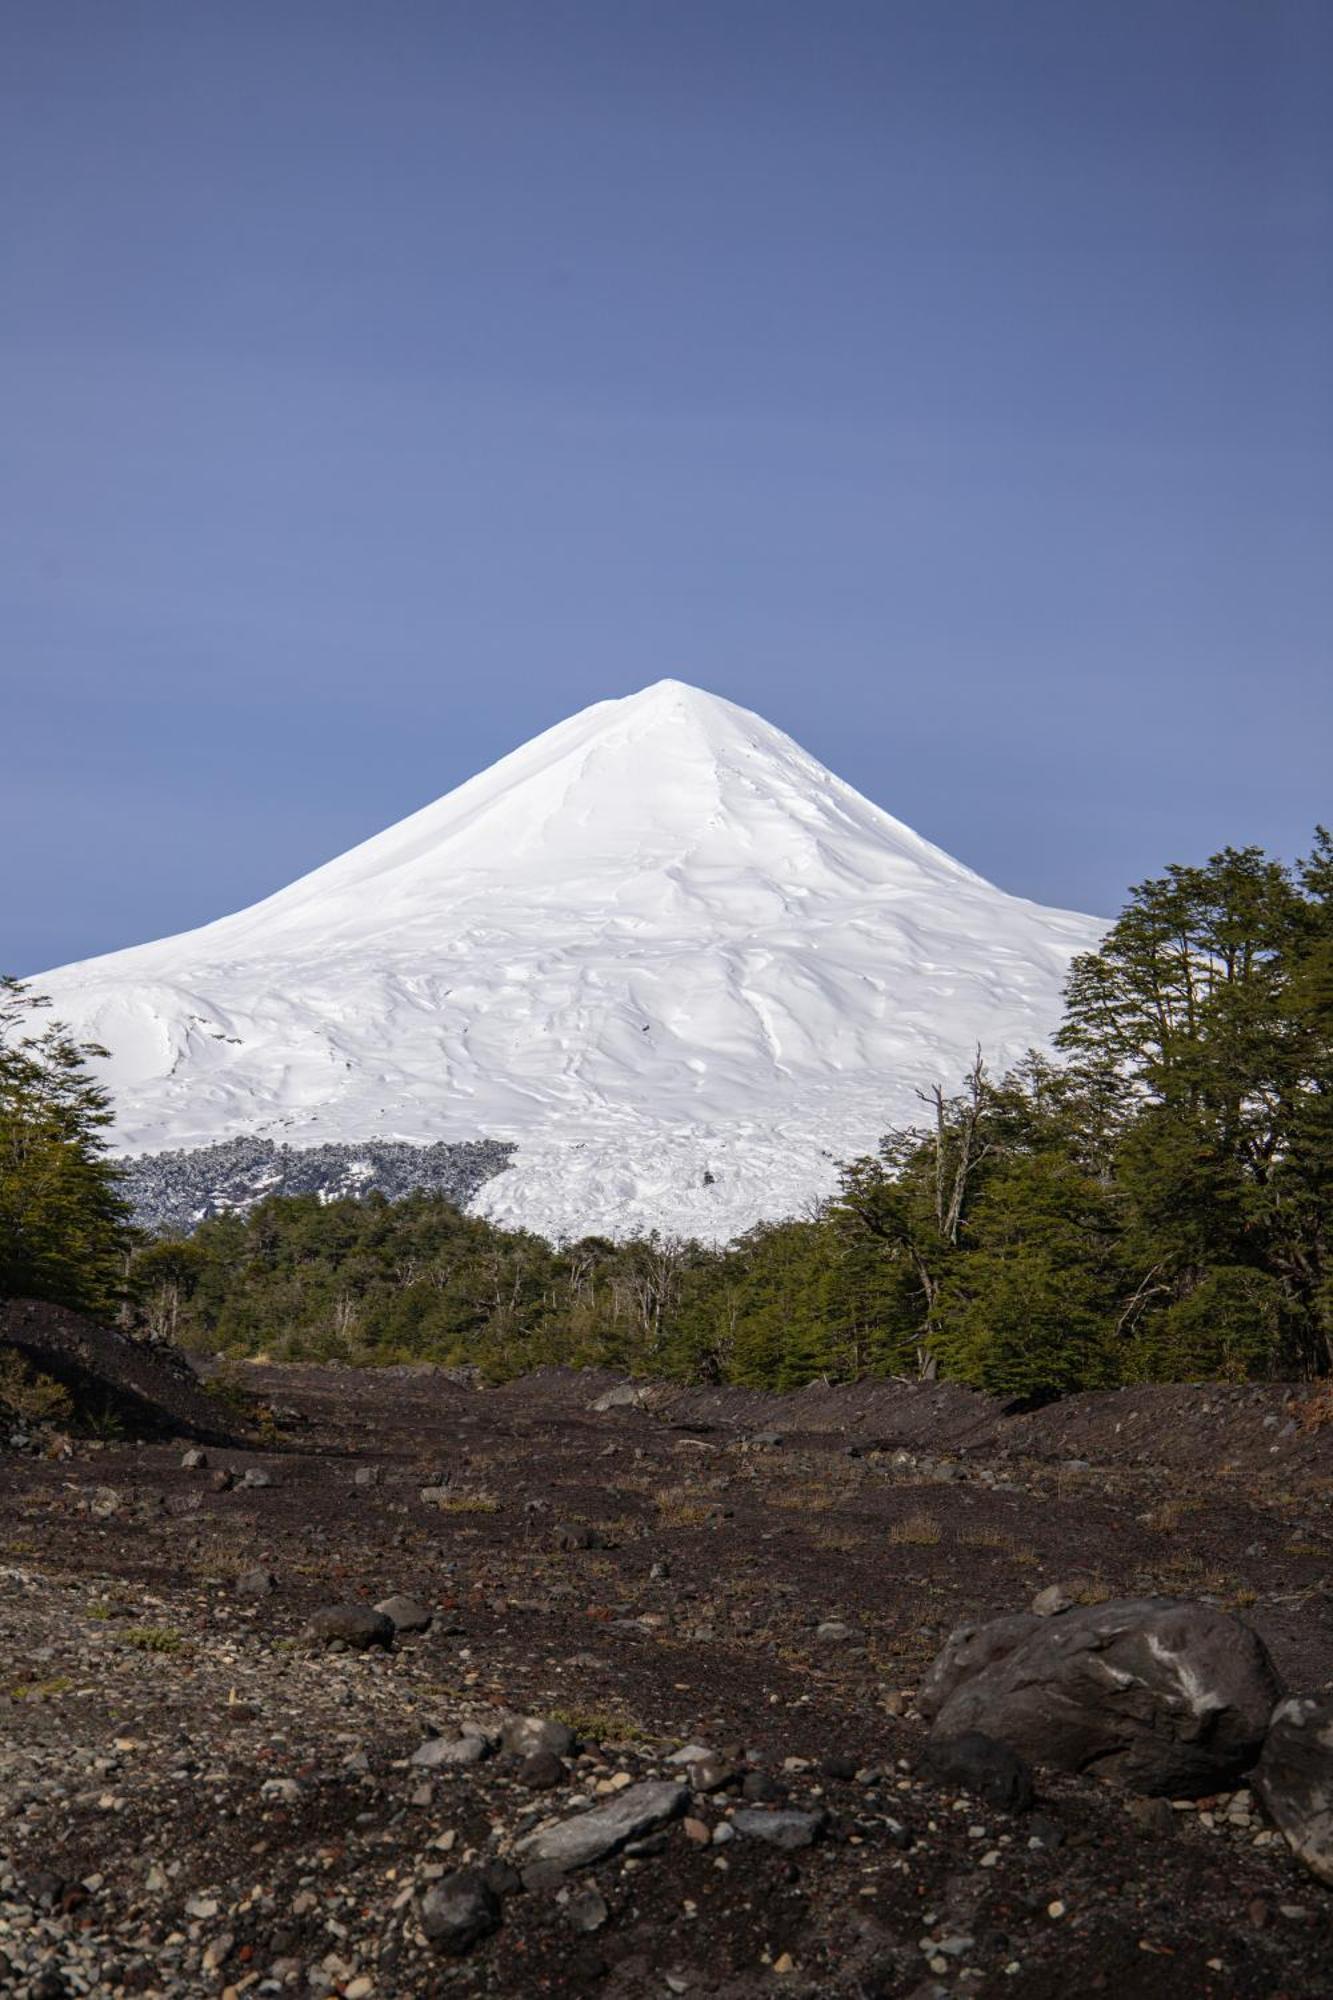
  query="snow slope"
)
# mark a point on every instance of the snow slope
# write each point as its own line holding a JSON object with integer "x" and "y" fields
{"x": 658, "y": 941}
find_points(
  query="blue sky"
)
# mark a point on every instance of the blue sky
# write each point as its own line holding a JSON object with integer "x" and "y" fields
{"x": 379, "y": 384}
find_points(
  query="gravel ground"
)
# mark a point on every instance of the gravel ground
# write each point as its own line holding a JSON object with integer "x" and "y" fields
{"x": 194, "y": 1799}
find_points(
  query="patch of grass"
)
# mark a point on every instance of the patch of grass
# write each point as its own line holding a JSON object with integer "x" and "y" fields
{"x": 41, "y": 1690}
{"x": 30, "y": 1395}
{"x": 1001, "y": 1543}
{"x": 602, "y": 1725}
{"x": 678, "y": 1507}
{"x": 916, "y": 1530}
{"x": 467, "y": 1503}
{"x": 1302, "y": 1549}
{"x": 839, "y": 1540}
{"x": 153, "y": 1638}
{"x": 810, "y": 1499}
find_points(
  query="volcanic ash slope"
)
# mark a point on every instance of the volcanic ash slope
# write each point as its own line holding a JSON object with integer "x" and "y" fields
{"x": 658, "y": 943}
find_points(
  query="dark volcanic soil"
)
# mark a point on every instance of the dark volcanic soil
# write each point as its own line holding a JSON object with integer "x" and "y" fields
{"x": 194, "y": 1802}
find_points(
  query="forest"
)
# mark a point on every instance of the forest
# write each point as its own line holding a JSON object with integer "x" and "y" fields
{"x": 1150, "y": 1202}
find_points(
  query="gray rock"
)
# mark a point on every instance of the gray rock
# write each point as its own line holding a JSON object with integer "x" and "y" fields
{"x": 256, "y": 1583}
{"x": 194, "y": 1461}
{"x": 576, "y": 1843}
{"x": 255, "y": 1477}
{"x": 450, "y": 1752}
{"x": 408, "y": 1614}
{"x": 575, "y": 1535}
{"x": 586, "y": 1911}
{"x": 542, "y": 1771}
{"x": 1156, "y": 1693}
{"x": 834, "y": 1632}
{"x": 712, "y": 1774}
{"x": 1056, "y": 1597}
{"x": 366, "y": 1475}
{"x": 785, "y": 1828}
{"x": 354, "y": 1625}
{"x": 760, "y": 1788}
{"x": 459, "y": 1911}
{"x": 525, "y": 1735}
{"x": 1295, "y": 1779}
{"x": 624, "y": 1396}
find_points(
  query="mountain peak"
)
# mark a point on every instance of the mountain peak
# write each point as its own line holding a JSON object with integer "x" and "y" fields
{"x": 660, "y": 947}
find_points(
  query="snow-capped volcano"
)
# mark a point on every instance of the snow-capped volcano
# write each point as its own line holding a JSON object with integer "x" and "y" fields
{"x": 661, "y": 948}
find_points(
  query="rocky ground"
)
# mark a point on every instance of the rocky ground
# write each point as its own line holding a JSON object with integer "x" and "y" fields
{"x": 195, "y": 1798}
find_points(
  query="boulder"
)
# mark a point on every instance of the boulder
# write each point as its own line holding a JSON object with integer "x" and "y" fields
{"x": 354, "y": 1625}
{"x": 1158, "y": 1694}
{"x": 1295, "y": 1779}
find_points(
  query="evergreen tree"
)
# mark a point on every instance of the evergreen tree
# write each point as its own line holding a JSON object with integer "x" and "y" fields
{"x": 63, "y": 1225}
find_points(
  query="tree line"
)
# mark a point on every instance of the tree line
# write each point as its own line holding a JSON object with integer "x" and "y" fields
{"x": 1151, "y": 1203}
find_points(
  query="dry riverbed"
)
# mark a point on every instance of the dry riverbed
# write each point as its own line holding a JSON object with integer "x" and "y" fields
{"x": 196, "y": 1800}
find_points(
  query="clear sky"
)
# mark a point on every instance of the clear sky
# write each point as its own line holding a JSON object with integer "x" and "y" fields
{"x": 382, "y": 380}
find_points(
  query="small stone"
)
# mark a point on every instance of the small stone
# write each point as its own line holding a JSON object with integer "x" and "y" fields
{"x": 697, "y": 1830}
{"x": 407, "y": 1614}
{"x": 354, "y": 1625}
{"x": 575, "y": 1535}
{"x": 787, "y": 1828}
{"x": 1057, "y": 1597}
{"x": 366, "y": 1475}
{"x": 711, "y": 1774}
{"x": 255, "y": 1583}
{"x": 256, "y": 1477}
{"x": 542, "y": 1771}
{"x": 525, "y": 1735}
{"x": 458, "y": 1911}
{"x": 586, "y": 1910}
{"x": 194, "y": 1460}
{"x": 761, "y": 1789}
{"x": 450, "y": 1753}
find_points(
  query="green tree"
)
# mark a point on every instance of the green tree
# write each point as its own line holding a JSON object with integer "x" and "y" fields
{"x": 63, "y": 1225}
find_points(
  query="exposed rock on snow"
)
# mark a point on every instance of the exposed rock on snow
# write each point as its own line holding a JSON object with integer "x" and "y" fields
{"x": 660, "y": 949}
{"x": 176, "y": 1190}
